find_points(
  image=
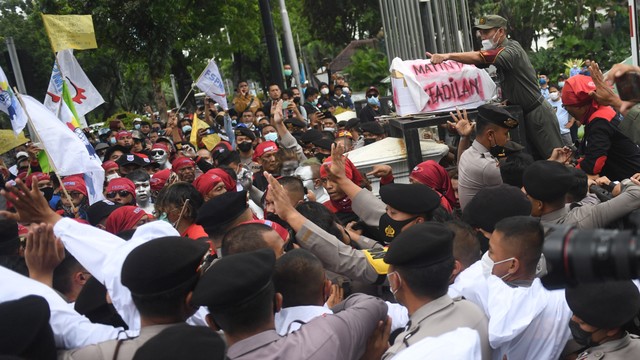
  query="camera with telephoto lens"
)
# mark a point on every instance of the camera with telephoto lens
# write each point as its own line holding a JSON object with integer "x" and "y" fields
{"x": 588, "y": 255}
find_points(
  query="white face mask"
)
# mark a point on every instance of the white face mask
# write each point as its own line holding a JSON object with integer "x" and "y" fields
{"x": 112, "y": 176}
{"x": 324, "y": 91}
{"x": 554, "y": 96}
{"x": 271, "y": 136}
{"x": 330, "y": 129}
{"x": 489, "y": 44}
{"x": 488, "y": 264}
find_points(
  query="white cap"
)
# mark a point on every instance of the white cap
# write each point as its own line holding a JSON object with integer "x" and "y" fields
{"x": 21, "y": 154}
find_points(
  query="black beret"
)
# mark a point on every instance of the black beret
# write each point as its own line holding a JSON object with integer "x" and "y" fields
{"x": 235, "y": 279}
{"x": 353, "y": 123}
{"x": 323, "y": 143}
{"x": 496, "y": 115}
{"x": 24, "y": 330}
{"x": 222, "y": 210}
{"x": 421, "y": 245}
{"x": 494, "y": 203}
{"x": 243, "y": 131}
{"x": 372, "y": 127}
{"x": 162, "y": 264}
{"x": 608, "y": 305}
{"x": 546, "y": 180}
{"x": 410, "y": 198}
{"x": 310, "y": 135}
{"x": 127, "y": 159}
{"x": 296, "y": 122}
{"x": 183, "y": 341}
{"x": 100, "y": 210}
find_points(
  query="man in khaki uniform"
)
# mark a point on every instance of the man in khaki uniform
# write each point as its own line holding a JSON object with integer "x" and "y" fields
{"x": 161, "y": 274}
{"x": 518, "y": 81}
{"x": 420, "y": 263}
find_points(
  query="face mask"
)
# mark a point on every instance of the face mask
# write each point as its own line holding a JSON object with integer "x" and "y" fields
{"x": 488, "y": 264}
{"x": 314, "y": 102}
{"x": 373, "y": 101}
{"x": 321, "y": 157}
{"x": 288, "y": 72}
{"x": 345, "y": 91}
{"x": 324, "y": 91}
{"x": 271, "y": 137}
{"x": 580, "y": 335}
{"x": 330, "y": 129}
{"x": 392, "y": 227}
{"x": 393, "y": 292}
{"x": 369, "y": 141}
{"x": 497, "y": 151}
{"x": 543, "y": 81}
{"x": 245, "y": 146}
{"x": 489, "y": 44}
{"x": 112, "y": 141}
{"x": 163, "y": 217}
{"x": 136, "y": 126}
{"x": 112, "y": 176}
{"x": 561, "y": 83}
{"x": 48, "y": 193}
{"x": 554, "y": 96}
{"x": 186, "y": 128}
{"x": 575, "y": 66}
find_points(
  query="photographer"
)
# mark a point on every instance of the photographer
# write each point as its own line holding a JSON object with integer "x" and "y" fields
{"x": 547, "y": 184}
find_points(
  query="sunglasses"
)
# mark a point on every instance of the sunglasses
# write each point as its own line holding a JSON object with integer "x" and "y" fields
{"x": 122, "y": 193}
{"x": 157, "y": 152}
{"x": 371, "y": 95}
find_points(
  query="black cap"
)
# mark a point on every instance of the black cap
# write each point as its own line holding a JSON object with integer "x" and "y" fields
{"x": 607, "y": 305}
{"x": 162, "y": 264}
{"x": 546, "y": 180}
{"x": 235, "y": 279}
{"x": 353, "y": 123}
{"x": 410, "y": 198}
{"x": 494, "y": 203}
{"x": 310, "y": 135}
{"x": 323, "y": 143}
{"x": 183, "y": 341}
{"x": 100, "y": 210}
{"x": 25, "y": 329}
{"x": 496, "y": 115}
{"x": 222, "y": 210}
{"x": 243, "y": 131}
{"x": 295, "y": 122}
{"x": 127, "y": 159}
{"x": 421, "y": 245}
{"x": 372, "y": 127}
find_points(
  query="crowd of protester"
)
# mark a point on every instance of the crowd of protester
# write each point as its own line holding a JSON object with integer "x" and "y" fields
{"x": 257, "y": 237}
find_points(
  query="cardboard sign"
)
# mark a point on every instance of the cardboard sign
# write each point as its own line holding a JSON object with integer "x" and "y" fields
{"x": 419, "y": 86}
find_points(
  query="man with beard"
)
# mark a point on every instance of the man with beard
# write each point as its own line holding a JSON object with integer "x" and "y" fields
{"x": 141, "y": 180}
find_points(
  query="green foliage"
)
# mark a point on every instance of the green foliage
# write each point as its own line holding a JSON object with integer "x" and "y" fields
{"x": 127, "y": 120}
{"x": 368, "y": 67}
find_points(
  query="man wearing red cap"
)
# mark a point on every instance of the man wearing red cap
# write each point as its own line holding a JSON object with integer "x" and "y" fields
{"x": 77, "y": 190}
{"x": 160, "y": 154}
{"x": 121, "y": 191}
{"x": 185, "y": 168}
{"x": 265, "y": 156}
{"x": 213, "y": 183}
{"x": 110, "y": 170}
{"x": 124, "y": 138}
{"x": 605, "y": 150}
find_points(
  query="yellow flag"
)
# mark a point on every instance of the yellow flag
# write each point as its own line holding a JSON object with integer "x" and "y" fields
{"x": 209, "y": 141}
{"x": 70, "y": 31}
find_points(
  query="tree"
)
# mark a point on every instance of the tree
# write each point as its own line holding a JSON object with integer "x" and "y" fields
{"x": 368, "y": 66}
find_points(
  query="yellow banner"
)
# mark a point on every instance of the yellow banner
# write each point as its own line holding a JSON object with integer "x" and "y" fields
{"x": 8, "y": 140}
{"x": 70, "y": 31}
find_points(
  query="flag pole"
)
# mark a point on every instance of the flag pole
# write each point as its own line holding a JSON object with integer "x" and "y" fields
{"x": 53, "y": 165}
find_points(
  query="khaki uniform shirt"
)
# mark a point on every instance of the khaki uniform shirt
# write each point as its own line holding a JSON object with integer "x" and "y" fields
{"x": 441, "y": 316}
{"x": 107, "y": 350}
{"x": 622, "y": 349}
{"x": 477, "y": 169}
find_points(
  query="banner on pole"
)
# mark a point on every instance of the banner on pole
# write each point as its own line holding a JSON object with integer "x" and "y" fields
{"x": 210, "y": 82}
{"x": 70, "y": 31}
{"x": 9, "y": 105}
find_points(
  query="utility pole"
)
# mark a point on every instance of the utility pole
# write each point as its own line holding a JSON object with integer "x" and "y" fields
{"x": 272, "y": 44}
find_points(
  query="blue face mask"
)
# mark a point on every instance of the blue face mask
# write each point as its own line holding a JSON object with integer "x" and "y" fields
{"x": 561, "y": 83}
{"x": 136, "y": 126}
{"x": 314, "y": 102}
{"x": 287, "y": 72}
{"x": 112, "y": 141}
{"x": 543, "y": 81}
{"x": 186, "y": 128}
{"x": 271, "y": 137}
{"x": 373, "y": 101}
{"x": 163, "y": 217}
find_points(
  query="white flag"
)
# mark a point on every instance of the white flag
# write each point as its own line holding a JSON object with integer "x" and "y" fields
{"x": 9, "y": 104}
{"x": 84, "y": 94}
{"x": 211, "y": 83}
{"x": 69, "y": 154}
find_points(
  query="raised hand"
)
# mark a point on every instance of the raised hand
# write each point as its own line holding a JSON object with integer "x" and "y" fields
{"x": 30, "y": 204}
{"x": 461, "y": 123}
{"x": 43, "y": 253}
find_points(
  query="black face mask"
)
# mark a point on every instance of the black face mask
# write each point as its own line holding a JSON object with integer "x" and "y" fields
{"x": 369, "y": 141}
{"x": 581, "y": 336}
{"x": 497, "y": 151}
{"x": 321, "y": 157}
{"x": 391, "y": 228}
{"x": 48, "y": 193}
{"x": 245, "y": 146}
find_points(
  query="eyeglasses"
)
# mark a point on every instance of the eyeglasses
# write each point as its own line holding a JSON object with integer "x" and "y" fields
{"x": 122, "y": 193}
{"x": 157, "y": 152}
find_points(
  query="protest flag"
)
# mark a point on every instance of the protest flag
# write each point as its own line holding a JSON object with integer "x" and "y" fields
{"x": 84, "y": 95}
{"x": 9, "y": 104}
{"x": 70, "y": 31}
{"x": 210, "y": 82}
